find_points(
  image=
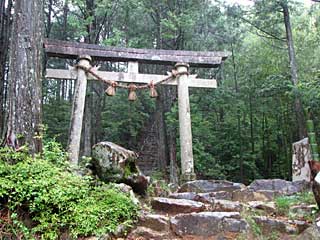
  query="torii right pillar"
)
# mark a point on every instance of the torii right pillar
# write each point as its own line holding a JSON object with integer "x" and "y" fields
{"x": 187, "y": 165}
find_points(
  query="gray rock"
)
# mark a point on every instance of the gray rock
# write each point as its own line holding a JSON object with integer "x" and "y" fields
{"x": 113, "y": 163}
{"x": 269, "y": 225}
{"x": 155, "y": 222}
{"x": 300, "y": 225}
{"x": 269, "y": 207}
{"x": 207, "y": 224}
{"x": 226, "y": 206}
{"x": 311, "y": 233}
{"x": 247, "y": 195}
{"x": 278, "y": 185}
{"x": 201, "y": 197}
{"x": 224, "y": 195}
{"x": 143, "y": 233}
{"x": 184, "y": 195}
{"x": 174, "y": 206}
{"x": 206, "y": 186}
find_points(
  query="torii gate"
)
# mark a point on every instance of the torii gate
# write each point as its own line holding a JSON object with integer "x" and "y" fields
{"x": 181, "y": 59}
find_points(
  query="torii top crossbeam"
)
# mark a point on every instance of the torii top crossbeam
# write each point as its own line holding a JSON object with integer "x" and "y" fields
{"x": 65, "y": 49}
{"x": 86, "y": 52}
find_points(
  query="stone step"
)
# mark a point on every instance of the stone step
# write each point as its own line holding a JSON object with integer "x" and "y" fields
{"x": 208, "y": 225}
{"x": 156, "y": 222}
{"x": 175, "y": 206}
{"x": 144, "y": 233}
{"x": 203, "y": 197}
{"x": 209, "y": 186}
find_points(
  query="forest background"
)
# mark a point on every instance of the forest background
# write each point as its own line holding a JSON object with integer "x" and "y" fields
{"x": 243, "y": 130}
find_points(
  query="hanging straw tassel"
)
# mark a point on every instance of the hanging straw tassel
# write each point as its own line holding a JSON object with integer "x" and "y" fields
{"x": 111, "y": 90}
{"x": 153, "y": 91}
{"x": 132, "y": 94}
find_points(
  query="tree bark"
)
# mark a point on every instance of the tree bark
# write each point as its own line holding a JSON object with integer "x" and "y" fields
{"x": 24, "y": 124}
{"x": 294, "y": 71}
{"x": 5, "y": 29}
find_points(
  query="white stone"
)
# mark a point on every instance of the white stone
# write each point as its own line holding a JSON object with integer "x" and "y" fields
{"x": 300, "y": 158}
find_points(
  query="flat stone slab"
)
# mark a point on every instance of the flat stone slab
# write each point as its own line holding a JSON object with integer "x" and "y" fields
{"x": 206, "y": 186}
{"x": 207, "y": 225}
{"x": 174, "y": 206}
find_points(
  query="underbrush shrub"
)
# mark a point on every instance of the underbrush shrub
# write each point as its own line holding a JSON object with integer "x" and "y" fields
{"x": 43, "y": 199}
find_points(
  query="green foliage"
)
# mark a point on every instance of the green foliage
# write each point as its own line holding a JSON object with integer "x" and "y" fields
{"x": 57, "y": 201}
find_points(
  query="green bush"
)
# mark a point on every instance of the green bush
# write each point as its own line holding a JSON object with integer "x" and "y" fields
{"x": 56, "y": 201}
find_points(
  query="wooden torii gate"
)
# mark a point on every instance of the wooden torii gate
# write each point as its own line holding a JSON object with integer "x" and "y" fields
{"x": 182, "y": 60}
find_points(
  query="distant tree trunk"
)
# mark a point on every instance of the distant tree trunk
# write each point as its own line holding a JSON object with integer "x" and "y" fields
{"x": 24, "y": 124}
{"x": 5, "y": 29}
{"x": 251, "y": 123}
{"x": 294, "y": 71}
{"x": 236, "y": 87}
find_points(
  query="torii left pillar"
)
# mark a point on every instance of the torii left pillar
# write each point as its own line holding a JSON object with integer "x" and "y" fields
{"x": 78, "y": 110}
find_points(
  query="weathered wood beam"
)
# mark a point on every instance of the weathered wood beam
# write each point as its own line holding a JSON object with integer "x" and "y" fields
{"x": 65, "y": 49}
{"x": 131, "y": 78}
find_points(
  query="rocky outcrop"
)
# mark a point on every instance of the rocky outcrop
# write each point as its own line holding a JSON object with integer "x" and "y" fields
{"x": 210, "y": 209}
{"x": 113, "y": 163}
{"x": 206, "y": 186}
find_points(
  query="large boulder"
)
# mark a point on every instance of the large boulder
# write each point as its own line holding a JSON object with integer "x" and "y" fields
{"x": 206, "y": 186}
{"x": 113, "y": 163}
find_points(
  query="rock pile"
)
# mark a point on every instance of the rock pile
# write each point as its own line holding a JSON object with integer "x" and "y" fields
{"x": 218, "y": 210}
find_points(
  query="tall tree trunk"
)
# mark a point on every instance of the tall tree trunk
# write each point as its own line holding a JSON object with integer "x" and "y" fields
{"x": 294, "y": 71}
{"x": 24, "y": 124}
{"x": 5, "y": 29}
